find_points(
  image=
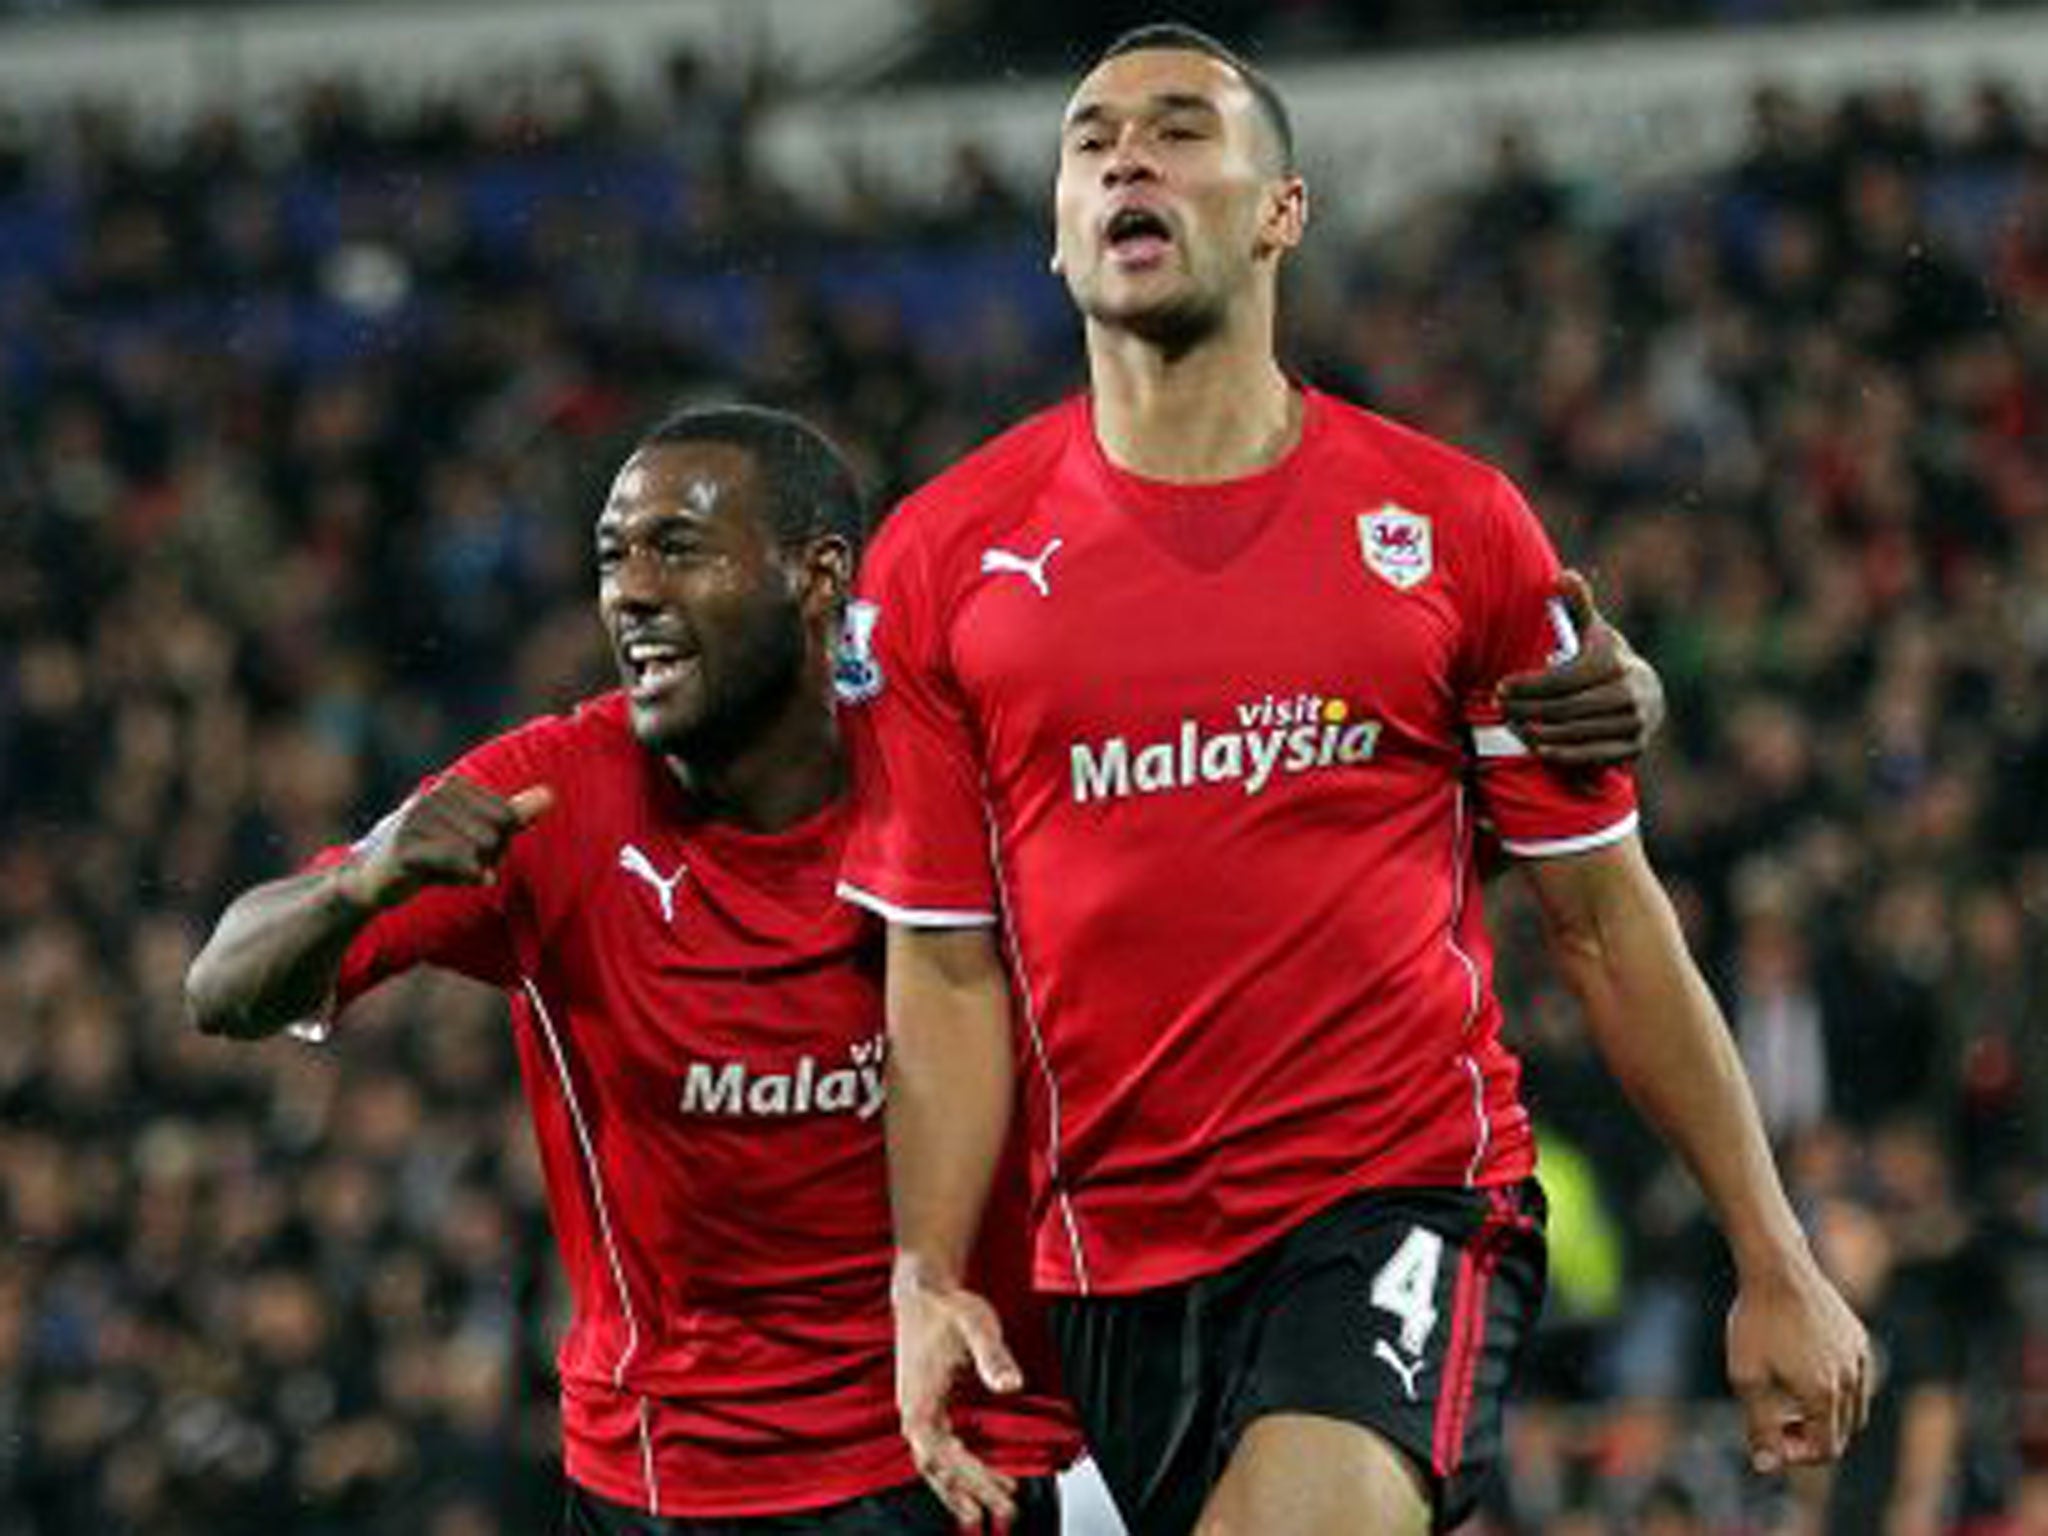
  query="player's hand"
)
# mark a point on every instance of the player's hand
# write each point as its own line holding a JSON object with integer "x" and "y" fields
{"x": 1800, "y": 1363}
{"x": 1601, "y": 706}
{"x": 942, "y": 1330}
{"x": 454, "y": 833}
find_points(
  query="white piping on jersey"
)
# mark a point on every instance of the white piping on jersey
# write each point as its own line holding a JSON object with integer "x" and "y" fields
{"x": 914, "y": 917}
{"x": 1054, "y": 1179}
{"x": 1556, "y": 846}
{"x": 604, "y": 1219}
{"x": 647, "y": 1462}
{"x": 1485, "y": 1138}
{"x": 1460, "y": 852}
{"x": 1497, "y": 741}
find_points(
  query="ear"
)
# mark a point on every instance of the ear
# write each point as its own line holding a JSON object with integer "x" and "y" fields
{"x": 824, "y": 575}
{"x": 1285, "y": 216}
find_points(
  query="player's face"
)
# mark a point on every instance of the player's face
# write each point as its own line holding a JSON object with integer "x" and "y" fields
{"x": 1170, "y": 193}
{"x": 703, "y": 607}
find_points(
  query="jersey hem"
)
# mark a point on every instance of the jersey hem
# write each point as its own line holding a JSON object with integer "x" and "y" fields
{"x": 1029, "y": 1459}
{"x": 805, "y": 1489}
{"x": 1509, "y": 1171}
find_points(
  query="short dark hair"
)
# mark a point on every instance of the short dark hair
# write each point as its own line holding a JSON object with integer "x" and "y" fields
{"x": 1179, "y": 35}
{"x": 811, "y": 488}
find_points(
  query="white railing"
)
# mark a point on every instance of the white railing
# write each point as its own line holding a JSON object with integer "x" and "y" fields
{"x": 1377, "y": 132}
{"x": 168, "y": 63}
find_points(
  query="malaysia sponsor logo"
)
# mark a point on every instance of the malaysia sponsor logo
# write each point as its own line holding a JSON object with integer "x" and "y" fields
{"x": 1397, "y": 546}
{"x": 1266, "y": 738}
{"x": 856, "y": 675}
{"x": 736, "y": 1090}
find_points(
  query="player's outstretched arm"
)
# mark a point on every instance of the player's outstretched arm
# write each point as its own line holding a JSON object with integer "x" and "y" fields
{"x": 1797, "y": 1357}
{"x": 1600, "y": 705}
{"x": 951, "y": 1083}
{"x": 273, "y": 957}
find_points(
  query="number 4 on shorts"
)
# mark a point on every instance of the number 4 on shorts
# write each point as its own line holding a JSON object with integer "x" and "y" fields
{"x": 1406, "y": 1286}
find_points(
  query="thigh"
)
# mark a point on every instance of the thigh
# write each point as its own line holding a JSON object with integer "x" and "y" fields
{"x": 1404, "y": 1314}
{"x": 1299, "y": 1475}
{"x": 1144, "y": 1374}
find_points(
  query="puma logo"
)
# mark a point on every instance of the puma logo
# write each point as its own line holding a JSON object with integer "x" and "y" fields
{"x": 998, "y": 561}
{"x": 636, "y": 863}
{"x": 1407, "y": 1370}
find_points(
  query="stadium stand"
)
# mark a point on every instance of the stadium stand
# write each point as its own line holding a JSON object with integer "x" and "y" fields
{"x": 302, "y": 420}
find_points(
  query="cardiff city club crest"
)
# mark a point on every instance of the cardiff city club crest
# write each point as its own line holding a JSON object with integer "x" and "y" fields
{"x": 1396, "y": 545}
{"x": 856, "y": 675}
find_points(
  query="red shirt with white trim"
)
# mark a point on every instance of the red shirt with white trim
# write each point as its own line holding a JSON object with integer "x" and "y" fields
{"x": 699, "y": 1028}
{"x": 1214, "y": 754}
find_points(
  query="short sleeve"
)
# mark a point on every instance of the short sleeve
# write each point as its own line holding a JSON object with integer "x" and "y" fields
{"x": 919, "y": 852}
{"x": 1517, "y": 623}
{"x": 459, "y": 928}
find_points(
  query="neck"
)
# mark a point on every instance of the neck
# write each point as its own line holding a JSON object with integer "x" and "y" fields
{"x": 1214, "y": 411}
{"x": 780, "y": 776}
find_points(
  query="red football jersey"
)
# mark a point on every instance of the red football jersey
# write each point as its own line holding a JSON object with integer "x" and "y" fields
{"x": 699, "y": 1026}
{"x": 1210, "y": 752}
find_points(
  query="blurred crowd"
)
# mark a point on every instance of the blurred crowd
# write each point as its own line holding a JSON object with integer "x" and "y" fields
{"x": 994, "y": 35}
{"x": 1057, "y": 31}
{"x": 303, "y": 422}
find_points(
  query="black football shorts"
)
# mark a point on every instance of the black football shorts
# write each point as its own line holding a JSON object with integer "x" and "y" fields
{"x": 1405, "y": 1311}
{"x": 910, "y": 1510}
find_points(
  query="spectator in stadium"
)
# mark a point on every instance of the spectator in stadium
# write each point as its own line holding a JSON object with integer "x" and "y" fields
{"x": 1901, "y": 1478}
{"x": 1263, "y": 1060}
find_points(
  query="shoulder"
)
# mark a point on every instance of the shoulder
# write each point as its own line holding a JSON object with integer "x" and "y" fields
{"x": 598, "y": 773}
{"x": 988, "y": 489}
{"x": 581, "y": 738}
{"x": 1445, "y": 477}
{"x": 1475, "y": 515}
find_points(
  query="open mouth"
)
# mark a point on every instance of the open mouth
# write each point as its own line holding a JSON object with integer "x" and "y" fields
{"x": 1137, "y": 235}
{"x": 653, "y": 666}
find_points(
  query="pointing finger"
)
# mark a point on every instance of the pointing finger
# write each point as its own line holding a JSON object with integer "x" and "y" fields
{"x": 530, "y": 804}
